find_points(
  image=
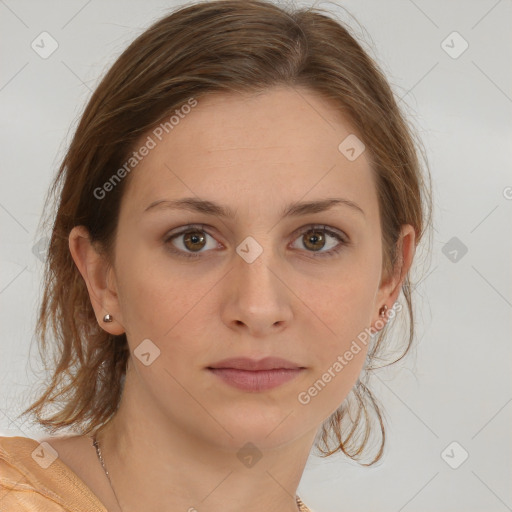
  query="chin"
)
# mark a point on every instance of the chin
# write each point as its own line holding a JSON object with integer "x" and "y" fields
{"x": 266, "y": 426}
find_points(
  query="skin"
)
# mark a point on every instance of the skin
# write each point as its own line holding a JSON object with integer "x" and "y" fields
{"x": 173, "y": 443}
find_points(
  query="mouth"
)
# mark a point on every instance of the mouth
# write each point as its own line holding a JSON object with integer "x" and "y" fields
{"x": 256, "y": 375}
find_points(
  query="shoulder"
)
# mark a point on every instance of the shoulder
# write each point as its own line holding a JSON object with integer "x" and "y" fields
{"x": 13, "y": 458}
{"x": 32, "y": 477}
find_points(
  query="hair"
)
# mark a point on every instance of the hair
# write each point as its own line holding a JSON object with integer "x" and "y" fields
{"x": 225, "y": 46}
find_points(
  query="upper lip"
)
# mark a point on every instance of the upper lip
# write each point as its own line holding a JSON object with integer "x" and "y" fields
{"x": 246, "y": 363}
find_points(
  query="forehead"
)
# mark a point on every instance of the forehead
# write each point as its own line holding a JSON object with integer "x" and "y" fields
{"x": 281, "y": 142}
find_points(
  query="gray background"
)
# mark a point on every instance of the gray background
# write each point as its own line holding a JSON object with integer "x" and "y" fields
{"x": 456, "y": 383}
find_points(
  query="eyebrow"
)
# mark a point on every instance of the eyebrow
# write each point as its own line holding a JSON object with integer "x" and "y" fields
{"x": 294, "y": 209}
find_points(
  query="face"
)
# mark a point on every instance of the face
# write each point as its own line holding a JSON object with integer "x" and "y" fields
{"x": 203, "y": 287}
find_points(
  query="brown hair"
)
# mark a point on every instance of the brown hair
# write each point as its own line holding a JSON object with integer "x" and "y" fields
{"x": 221, "y": 46}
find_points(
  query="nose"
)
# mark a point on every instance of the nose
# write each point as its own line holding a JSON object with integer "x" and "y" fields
{"x": 257, "y": 297}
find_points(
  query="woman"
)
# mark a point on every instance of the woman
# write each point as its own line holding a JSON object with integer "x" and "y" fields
{"x": 239, "y": 211}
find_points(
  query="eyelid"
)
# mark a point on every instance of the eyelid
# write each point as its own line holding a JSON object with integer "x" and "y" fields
{"x": 188, "y": 227}
{"x": 322, "y": 227}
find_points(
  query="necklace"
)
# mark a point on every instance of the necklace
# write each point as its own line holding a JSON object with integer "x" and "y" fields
{"x": 100, "y": 457}
{"x": 96, "y": 444}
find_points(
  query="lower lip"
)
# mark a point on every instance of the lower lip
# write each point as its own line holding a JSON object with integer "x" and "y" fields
{"x": 255, "y": 380}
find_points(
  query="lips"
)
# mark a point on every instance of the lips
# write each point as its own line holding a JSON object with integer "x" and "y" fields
{"x": 245, "y": 363}
{"x": 255, "y": 375}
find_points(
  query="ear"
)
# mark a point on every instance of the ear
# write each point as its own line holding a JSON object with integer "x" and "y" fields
{"x": 99, "y": 277}
{"x": 391, "y": 285}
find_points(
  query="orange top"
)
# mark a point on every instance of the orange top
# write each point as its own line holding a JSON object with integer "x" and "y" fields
{"x": 34, "y": 479}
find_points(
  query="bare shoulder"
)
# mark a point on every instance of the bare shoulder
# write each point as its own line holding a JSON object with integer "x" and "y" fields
{"x": 79, "y": 454}
{"x": 72, "y": 449}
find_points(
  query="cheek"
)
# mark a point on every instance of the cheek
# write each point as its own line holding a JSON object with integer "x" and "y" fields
{"x": 339, "y": 356}
{"x": 155, "y": 296}
{"x": 342, "y": 312}
{"x": 343, "y": 303}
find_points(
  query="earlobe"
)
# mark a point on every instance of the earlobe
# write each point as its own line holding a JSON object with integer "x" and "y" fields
{"x": 390, "y": 289}
{"x": 96, "y": 272}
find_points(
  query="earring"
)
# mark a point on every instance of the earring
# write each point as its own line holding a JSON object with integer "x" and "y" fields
{"x": 382, "y": 310}
{"x": 108, "y": 318}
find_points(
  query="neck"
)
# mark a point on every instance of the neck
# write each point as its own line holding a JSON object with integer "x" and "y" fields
{"x": 154, "y": 465}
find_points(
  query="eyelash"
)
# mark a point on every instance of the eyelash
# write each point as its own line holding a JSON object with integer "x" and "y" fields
{"x": 201, "y": 228}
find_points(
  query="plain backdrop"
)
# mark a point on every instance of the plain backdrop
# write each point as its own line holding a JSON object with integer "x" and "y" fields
{"x": 448, "y": 406}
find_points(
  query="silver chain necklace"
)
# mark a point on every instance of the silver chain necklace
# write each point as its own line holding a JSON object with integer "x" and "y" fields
{"x": 96, "y": 444}
{"x": 98, "y": 453}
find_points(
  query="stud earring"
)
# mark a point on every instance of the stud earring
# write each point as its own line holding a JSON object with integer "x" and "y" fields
{"x": 382, "y": 310}
{"x": 108, "y": 318}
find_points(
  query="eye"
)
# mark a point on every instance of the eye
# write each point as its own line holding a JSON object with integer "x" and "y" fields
{"x": 316, "y": 238}
{"x": 190, "y": 241}
{"x": 192, "y": 238}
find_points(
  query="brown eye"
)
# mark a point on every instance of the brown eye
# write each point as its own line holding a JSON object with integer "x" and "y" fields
{"x": 191, "y": 242}
{"x": 194, "y": 240}
{"x": 314, "y": 240}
